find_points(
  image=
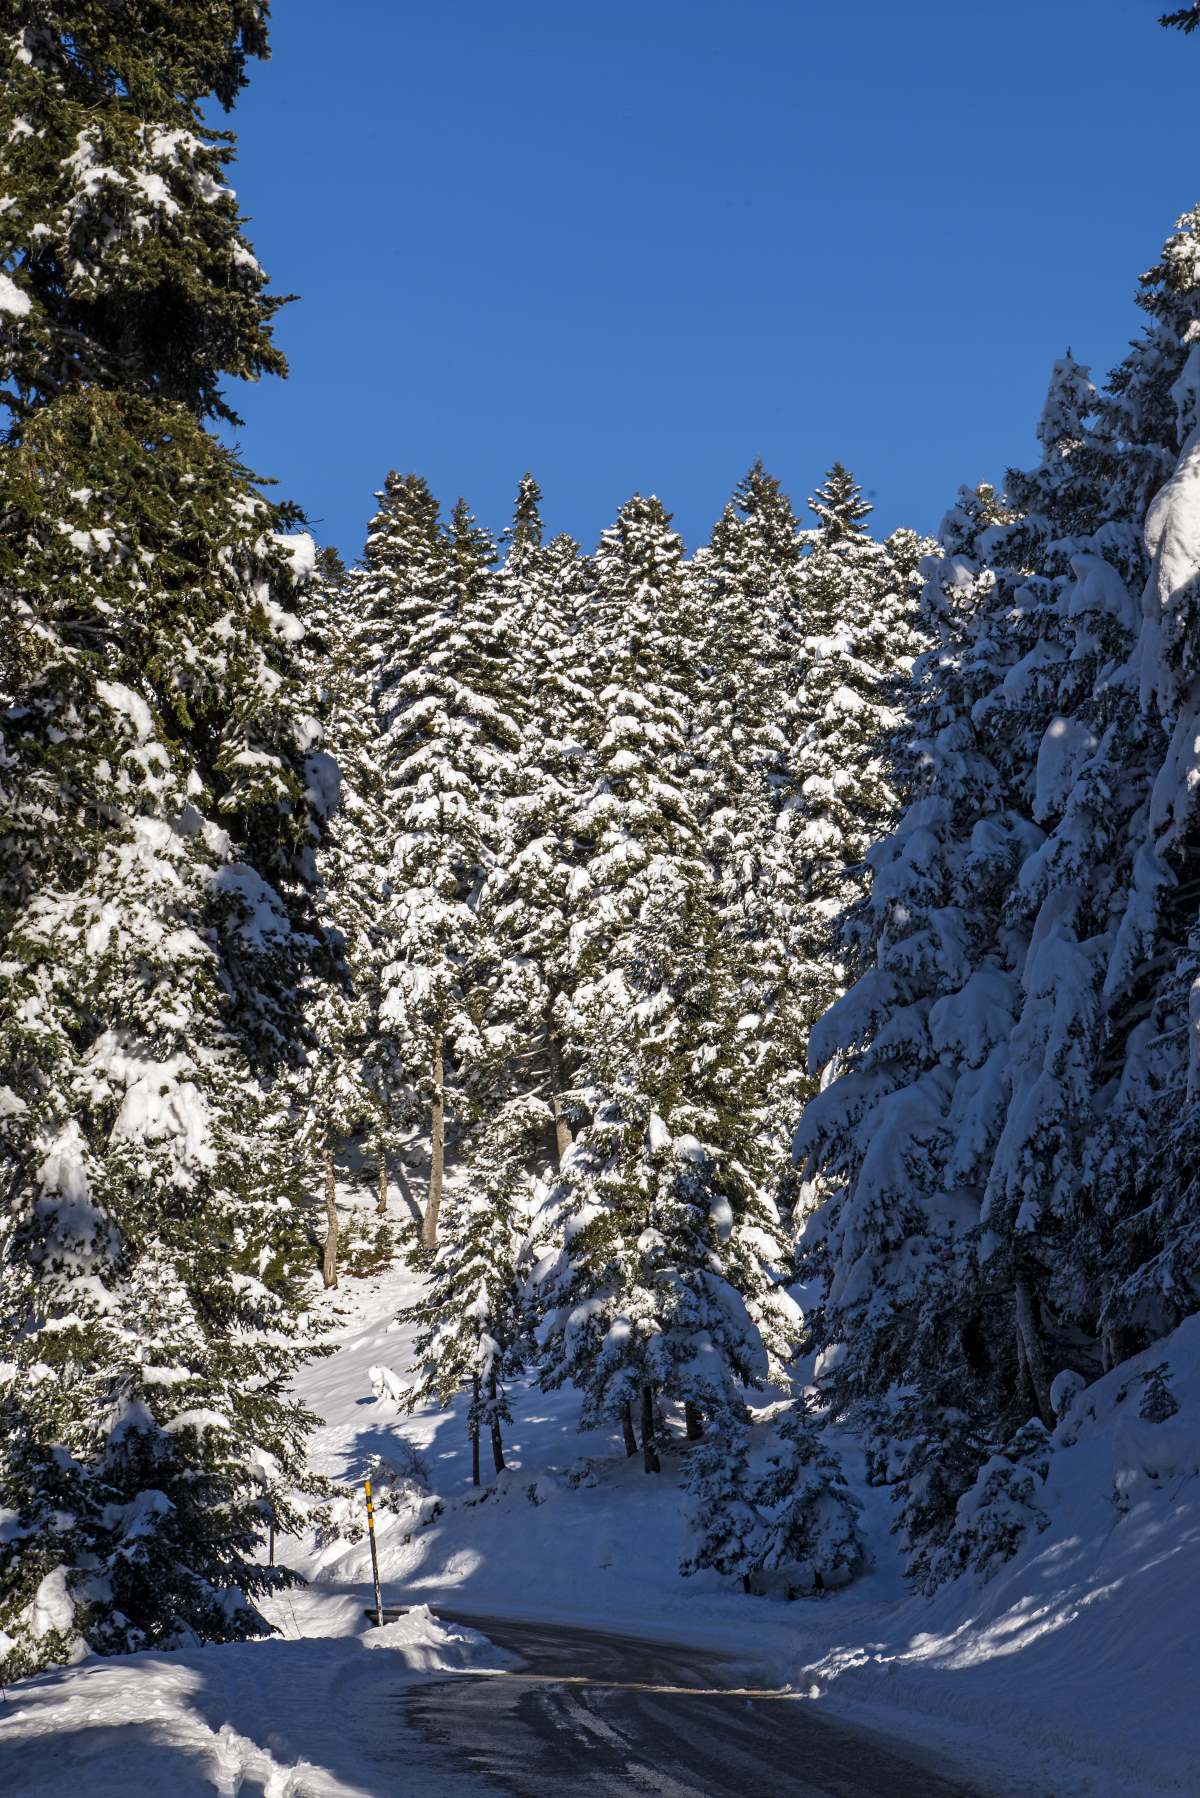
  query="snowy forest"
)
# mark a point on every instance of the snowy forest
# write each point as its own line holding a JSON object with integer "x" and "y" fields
{"x": 755, "y": 987}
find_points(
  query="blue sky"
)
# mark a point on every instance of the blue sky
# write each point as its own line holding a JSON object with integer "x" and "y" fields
{"x": 634, "y": 245}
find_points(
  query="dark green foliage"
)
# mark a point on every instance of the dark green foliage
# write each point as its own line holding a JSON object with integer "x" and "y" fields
{"x": 161, "y": 799}
{"x": 122, "y": 237}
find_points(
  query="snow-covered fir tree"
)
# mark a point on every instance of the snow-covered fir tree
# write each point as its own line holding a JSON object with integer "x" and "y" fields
{"x": 745, "y": 600}
{"x": 1143, "y": 1215}
{"x": 443, "y": 739}
{"x": 345, "y": 1090}
{"x": 728, "y": 1529}
{"x": 159, "y": 811}
{"x": 527, "y": 902}
{"x": 1007, "y": 1030}
{"x": 473, "y": 1329}
{"x": 661, "y": 1235}
{"x": 129, "y": 269}
{"x": 810, "y": 1516}
{"x": 859, "y": 606}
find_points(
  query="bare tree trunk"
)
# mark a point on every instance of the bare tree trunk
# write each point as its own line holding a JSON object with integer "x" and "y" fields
{"x": 692, "y": 1421}
{"x": 1031, "y": 1344}
{"x": 661, "y": 1431}
{"x": 475, "y": 1435}
{"x": 329, "y": 1259}
{"x": 1024, "y": 1383}
{"x": 562, "y": 1127}
{"x": 381, "y": 1201}
{"x": 627, "y": 1430}
{"x": 437, "y": 1150}
{"x": 494, "y": 1421}
{"x": 650, "y": 1461}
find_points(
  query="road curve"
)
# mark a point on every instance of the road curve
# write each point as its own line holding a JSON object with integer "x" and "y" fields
{"x": 591, "y": 1713}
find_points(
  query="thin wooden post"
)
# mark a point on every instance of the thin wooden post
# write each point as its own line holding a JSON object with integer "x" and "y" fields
{"x": 374, "y": 1554}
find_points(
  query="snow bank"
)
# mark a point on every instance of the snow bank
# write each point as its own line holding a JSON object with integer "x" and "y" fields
{"x": 1080, "y": 1651}
{"x": 308, "y": 1715}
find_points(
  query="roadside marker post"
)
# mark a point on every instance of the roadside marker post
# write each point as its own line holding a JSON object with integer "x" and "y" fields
{"x": 374, "y": 1554}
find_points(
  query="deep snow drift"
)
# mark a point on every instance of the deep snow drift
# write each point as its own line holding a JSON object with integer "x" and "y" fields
{"x": 1069, "y": 1672}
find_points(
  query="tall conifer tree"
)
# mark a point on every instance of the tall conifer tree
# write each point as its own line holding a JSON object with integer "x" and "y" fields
{"x": 159, "y": 809}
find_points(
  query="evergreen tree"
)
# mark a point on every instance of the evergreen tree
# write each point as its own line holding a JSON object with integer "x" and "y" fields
{"x": 728, "y": 1528}
{"x": 1142, "y": 1217}
{"x": 1017, "y": 911}
{"x": 129, "y": 270}
{"x": 840, "y": 505}
{"x": 443, "y": 744}
{"x": 160, "y": 803}
{"x": 654, "y": 1211}
{"x": 859, "y": 605}
{"x": 810, "y": 1515}
{"x": 472, "y": 1333}
{"x": 745, "y": 604}
{"x": 345, "y": 1088}
{"x": 528, "y": 900}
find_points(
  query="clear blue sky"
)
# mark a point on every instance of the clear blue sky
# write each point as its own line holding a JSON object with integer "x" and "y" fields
{"x": 634, "y": 244}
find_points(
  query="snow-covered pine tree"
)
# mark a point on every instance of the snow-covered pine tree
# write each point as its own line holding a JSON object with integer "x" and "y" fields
{"x": 659, "y": 1229}
{"x": 744, "y": 596}
{"x": 343, "y": 1088}
{"x": 127, "y": 267}
{"x": 1143, "y": 1214}
{"x": 1018, "y": 910}
{"x": 810, "y": 1516}
{"x": 472, "y": 1325}
{"x": 728, "y": 1528}
{"x": 526, "y": 904}
{"x": 859, "y": 605}
{"x": 840, "y": 505}
{"x": 444, "y": 744}
{"x": 159, "y": 810}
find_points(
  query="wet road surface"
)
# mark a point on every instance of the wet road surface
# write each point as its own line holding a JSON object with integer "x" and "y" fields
{"x": 589, "y": 1713}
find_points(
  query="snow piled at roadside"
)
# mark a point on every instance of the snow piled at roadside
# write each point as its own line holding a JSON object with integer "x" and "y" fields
{"x": 308, "y": 1714}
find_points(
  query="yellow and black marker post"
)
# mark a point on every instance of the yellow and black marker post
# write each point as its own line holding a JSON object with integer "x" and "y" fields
{"x": 374, "y": 1555}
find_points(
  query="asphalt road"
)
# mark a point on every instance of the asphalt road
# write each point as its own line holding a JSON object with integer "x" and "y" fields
{"x": 589, "y": 1713}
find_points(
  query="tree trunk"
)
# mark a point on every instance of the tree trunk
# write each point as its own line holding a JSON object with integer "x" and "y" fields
{"x": 381, "y": 1201}
{"x": 475, "y": 1435}
{"x": 329, "y": 1260}
{"x": 1025, "y": 1390}
{"x": 661, "y": 1431}
{"x": 692, "y": 1421}
{"x": 1032, "y": 1346}
{"x": 494, "y": 1422}
{"x": 650, "y": 1461}
{"x": 437, "y": 1153}
{"x": 627, "y": 1430}
{"x": 562, "y": 1127}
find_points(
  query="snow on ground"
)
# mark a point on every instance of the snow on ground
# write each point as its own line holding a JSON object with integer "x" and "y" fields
{"x": 1071, "y": 1672}
{"x": 310, "y": 1714}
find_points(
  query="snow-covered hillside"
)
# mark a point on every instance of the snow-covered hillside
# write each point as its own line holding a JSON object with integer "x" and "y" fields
{"x": 1068, "y": 1672}
{"x": 1070, "y": 1665}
